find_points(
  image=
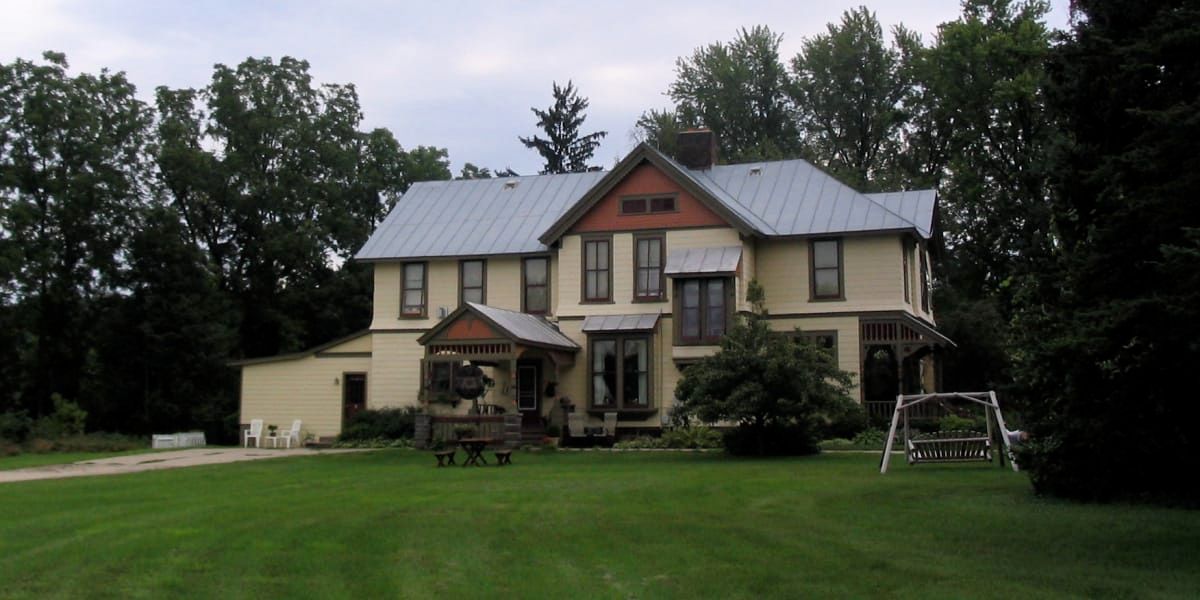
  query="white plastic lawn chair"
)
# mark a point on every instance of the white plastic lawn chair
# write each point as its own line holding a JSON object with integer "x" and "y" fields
{"x": 255, "y": 432}
{"x": 610, "y": 424}
{"x": 287, "y": 436}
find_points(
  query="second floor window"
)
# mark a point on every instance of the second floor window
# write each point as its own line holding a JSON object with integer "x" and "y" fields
{"x": 826, "y": 265}
{"x": 648, "y": 268}
{"x": 536, "y": 277}
{"x": 472, "y": 281}
{"x": 597, "y": 272}
{"x": 412, "y": 289}
{"x": 703, "y": 310}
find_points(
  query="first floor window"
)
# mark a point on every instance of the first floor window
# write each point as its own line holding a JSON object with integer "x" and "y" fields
{"x": 441, "y": 378}
{"x": 412, "y": 289}
{"x": 621, "y": 372}
{"x": 703, "y": 309}
{"x": 825, "y": 340}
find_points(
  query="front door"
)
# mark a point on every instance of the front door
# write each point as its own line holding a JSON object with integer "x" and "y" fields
{"x": 529, "y": 384}
{"x": 354, "y": 394}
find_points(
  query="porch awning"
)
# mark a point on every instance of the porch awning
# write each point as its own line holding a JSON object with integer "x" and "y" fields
{"x": 476, "y": 323}
{"x": 703, "y": 261}
{"x": 615, "y": 323}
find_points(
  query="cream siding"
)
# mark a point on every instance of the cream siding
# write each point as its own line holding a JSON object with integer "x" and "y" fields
{"x": 395, "y": 370}
{"x": 871, "y": 268}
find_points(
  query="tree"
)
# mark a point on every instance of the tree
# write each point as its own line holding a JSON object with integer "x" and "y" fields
{"x": 564, "y": 149}
{"x": 739, "y": 90}
{"x": 72, "y": 175}
{"x": 849, "y": 90}
{"x": 470, "y": 171}
{"x": 659, "y": 128}
{"x": 279, "y": 187}
{"x": 775, "y": 387}
{"x": 1109, "y": 323}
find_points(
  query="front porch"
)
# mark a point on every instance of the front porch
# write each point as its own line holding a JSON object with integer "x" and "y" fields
{"x": 522, "y": 355}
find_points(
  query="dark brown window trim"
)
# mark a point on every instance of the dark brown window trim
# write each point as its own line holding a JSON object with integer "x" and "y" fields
{"x": 583, "y": 270}
{"x": 619, "y": 405}
{"x": 812, "y": 271}
{"x": 424, "y": 290}
{"x": 462, "y": 290}
{"x": 662, "y": 267}
{"x": 674, "y": 196}
{"x": 549, "y": 286}
{"x": 677, "y": 314}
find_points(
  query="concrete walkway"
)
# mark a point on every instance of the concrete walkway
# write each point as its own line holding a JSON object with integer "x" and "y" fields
{"x": 154, "y": 461}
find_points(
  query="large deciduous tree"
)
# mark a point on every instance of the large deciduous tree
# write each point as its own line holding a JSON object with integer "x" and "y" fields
{"x": 850, "y": 90}
{"x": 565, "y": 149}
{"x": 1110, "y": 324}
{"x": 739, "y": 90}
{"x": 72, "y": 175}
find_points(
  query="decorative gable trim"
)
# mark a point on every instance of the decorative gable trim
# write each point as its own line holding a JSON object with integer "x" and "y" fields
{"x": 643, "y": 153}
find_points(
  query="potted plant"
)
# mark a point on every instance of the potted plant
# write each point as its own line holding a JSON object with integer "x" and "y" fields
{"x": 271, "y": 429}
{"x": 553, "y": 433}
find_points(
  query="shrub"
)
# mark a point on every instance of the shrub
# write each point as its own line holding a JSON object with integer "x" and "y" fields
{"x": 845, "y": 419}
{"x": 96, "y": 442}
{"x": 553, "y": 431}
{"x": 696, "y": 436}
{"x": 641, "y": 442}
{"x": 871, "y": 437}
{"x": 382, "y": 423}
{"x": 374, "y": 443}
{"x": 957, "y": 423}
{"x": 66, "y": 420}
{"x": 15, "y": 426}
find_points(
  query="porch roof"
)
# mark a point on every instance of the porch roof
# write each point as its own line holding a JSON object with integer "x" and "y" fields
{"x": 530, "y": 330}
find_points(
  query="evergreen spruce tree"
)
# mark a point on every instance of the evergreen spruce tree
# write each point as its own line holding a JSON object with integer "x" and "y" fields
{"x": 564, "y": 149}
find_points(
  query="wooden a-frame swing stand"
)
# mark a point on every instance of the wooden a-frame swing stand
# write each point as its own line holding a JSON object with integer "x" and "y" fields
{"x": 958, "y": 446}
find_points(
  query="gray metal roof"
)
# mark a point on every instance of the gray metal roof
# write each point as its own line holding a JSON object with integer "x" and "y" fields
{"x": 524, "y": 327}
{"x": 475, "y": 216}
{"x": 478, "y": 217}
{"x": 602, "y": 323}
{"x": 915, "y": 206}
{"x": 695, "y": 261}
{"x": 795, "y": 198}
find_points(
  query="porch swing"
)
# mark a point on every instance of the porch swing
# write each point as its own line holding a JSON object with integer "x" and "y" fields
{"x": 948, "y": 446}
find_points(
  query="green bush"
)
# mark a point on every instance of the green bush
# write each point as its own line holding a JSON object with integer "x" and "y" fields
{"x": 957, "y": 423}
{"x": 382, "y": 423}
{"x": 374, "y": 443}
{"x": 640, "y": 443}
{"x": 844, "y": 419}
{"x": 696, "y": 436}
{"x": 66, "y": 420}
{"x": 15, "y": 426}
{"x": 553, "y": 431}
{"x": 870, "y": 437}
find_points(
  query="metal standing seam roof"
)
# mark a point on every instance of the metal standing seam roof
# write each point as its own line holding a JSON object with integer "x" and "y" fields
{"x": 693, "y": 261}
{"x": 602, "y": 323}
{"x": 480, "y": 217}
{"x": 524, "y": 327}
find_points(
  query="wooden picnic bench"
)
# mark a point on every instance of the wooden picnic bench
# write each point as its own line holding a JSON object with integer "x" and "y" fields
{"x": 949, "y": 446}
{"x": 445, "y": 457}
{"x": 503, "y": 457}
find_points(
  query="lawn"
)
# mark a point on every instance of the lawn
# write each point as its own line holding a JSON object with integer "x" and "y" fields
{"x": 567, "y": 524}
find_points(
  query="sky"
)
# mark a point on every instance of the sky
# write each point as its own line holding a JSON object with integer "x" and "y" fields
{"x": 452, "y": 74}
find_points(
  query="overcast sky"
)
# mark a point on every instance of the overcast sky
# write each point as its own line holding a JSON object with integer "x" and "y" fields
{"x": 458, "y": 75}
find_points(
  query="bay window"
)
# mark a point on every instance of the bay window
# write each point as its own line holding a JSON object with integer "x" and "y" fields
{"x": 620, "y": 373}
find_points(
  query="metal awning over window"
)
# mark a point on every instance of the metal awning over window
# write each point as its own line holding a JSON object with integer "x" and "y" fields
{"x": 615, "y": 323}
{"x": 687, "y": 262}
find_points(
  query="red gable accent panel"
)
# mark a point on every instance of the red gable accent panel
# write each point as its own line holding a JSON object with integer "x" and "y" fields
{"x": 470, "y": 327}
{"x": 646, "y": 180}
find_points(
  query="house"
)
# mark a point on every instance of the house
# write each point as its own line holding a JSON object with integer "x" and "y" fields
{"x": 592, "y": 291}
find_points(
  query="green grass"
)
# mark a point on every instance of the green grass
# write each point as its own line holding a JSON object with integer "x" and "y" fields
{"x": 21, "y": 461}
{"x": 567, "y": 524}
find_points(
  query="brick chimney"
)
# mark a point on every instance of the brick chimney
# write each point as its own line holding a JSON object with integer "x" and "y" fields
{"x": 696, "y": 148}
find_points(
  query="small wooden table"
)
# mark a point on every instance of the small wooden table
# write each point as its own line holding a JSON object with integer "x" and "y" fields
{"x": 474, "y": 448}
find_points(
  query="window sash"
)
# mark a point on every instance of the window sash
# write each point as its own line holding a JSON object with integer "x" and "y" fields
{"x": 473, "y": 281}
{"x": 620, "y": 372}
{"x": 648, "y": 267}
{"x": 825, "y": 261}
{"x": 536, "y": 296}
{"x": 412, "y": 292}
{"x": 703, "y": 310}
{"x": 597, "y": 259}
